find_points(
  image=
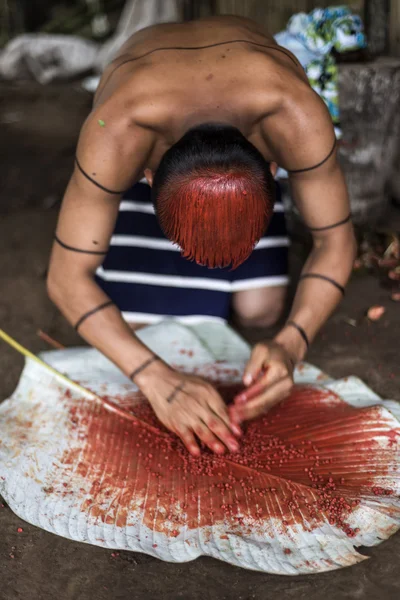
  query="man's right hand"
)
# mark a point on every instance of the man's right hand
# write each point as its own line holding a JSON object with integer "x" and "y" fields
{"x": 190, "y": 407}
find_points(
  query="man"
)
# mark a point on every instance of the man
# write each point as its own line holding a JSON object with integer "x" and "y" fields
{"x": 205, "y": 110}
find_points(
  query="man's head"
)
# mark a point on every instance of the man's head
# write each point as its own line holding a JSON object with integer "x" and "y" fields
{"x": 213, "y": 194}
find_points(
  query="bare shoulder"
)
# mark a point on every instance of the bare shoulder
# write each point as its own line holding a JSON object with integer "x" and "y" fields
{"x": 300, "y": 133}
{"x": 113, "y": 148}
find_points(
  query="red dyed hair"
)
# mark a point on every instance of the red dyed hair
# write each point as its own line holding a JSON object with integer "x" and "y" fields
{"x": 216, "y": 216}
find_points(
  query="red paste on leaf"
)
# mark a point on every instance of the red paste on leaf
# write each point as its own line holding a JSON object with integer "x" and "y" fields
{"x": 309, "y": 460}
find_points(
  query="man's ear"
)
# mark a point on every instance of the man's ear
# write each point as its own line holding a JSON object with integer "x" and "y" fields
{"x": 273, "y": 167}
{"x": 148, "y": 173}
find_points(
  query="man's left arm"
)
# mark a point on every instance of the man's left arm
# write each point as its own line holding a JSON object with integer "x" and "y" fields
{"x": 319, "y": 190}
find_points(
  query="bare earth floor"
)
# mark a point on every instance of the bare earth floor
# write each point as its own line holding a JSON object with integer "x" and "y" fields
{"x": 46, "y": 567}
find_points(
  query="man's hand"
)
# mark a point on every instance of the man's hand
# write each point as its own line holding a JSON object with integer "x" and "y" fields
{"x": 269, "y": 379}
{"x": 190, "y": 407}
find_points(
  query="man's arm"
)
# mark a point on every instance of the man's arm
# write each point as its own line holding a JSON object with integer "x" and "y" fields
{"x": 84, "y": 229}
{"x": 322, "y": 198}
{"x": 318, "y": 187}
{"x": 109, "y": 161}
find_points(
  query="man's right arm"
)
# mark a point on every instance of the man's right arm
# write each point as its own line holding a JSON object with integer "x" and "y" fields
{"x": 85, "y": 226}
{"x": 106, "y": 165}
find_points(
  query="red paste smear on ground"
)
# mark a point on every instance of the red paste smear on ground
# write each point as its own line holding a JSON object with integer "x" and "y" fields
{"x": 310, "y": 460}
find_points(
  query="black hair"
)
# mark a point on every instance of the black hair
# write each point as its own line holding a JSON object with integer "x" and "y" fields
{"x": 214, "y": 146}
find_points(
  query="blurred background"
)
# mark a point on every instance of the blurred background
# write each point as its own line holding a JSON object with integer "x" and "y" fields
{"x": 98, "y": 18}
{"x": 76, "y": 16}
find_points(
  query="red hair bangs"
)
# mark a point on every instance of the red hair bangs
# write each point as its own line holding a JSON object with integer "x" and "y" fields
{"x": 215, "y": 218}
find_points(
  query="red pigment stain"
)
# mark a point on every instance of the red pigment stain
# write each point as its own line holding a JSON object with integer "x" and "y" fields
{"x": 189, "y": 353}
{"x": 393, "y": 436}
{"x": 380, "y": 491}
{"x": 307, "y": 462}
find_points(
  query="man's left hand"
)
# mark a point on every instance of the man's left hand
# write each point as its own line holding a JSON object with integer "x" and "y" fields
{"x": 269, "y": 379}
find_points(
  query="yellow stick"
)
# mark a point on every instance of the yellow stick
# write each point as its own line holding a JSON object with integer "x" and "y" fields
{"x": 108, "y": 404}
{"x": 14, "y": 344}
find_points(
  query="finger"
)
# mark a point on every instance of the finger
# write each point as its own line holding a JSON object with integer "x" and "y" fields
{"x": 265, "y": 401}
{"x": 248, "y": 394}
{"x": 234, "y": 416}
{"x": 208, "y": 438}
{"x": 258, "y": 358}
{"x": 274, "y": 394}
{"x": 234, "y": 421}
{"x": 220, "y": 409}
{"x": 235, "y": 428}
{"x": 276, "y": 371}
{"x": 189, "y": 440}
{"x": 218, "y": 427}
{"x": 223, "y": 433}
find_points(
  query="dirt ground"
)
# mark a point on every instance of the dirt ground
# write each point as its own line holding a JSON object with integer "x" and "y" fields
{"x": 39, "y": 128}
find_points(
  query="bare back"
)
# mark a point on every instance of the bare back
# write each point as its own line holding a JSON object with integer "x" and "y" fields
{"x": 169, "y": 77}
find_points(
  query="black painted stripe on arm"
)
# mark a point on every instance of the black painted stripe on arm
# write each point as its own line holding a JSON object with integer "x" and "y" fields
{"x": 317, "y": 165}
{"x": 346, "y": 220}
{"x": 92, "y": 312}
{"x": 324, "y": 278}
{"x": 119, "y": 193}
{"x": 143, "y": 366}
{"x": 72, "y": 249}
{"x": 301, "y": 332}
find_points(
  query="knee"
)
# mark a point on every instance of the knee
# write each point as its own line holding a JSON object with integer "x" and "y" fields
{"x": 260, "y": 315}
{"x": 261, "y": 319}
